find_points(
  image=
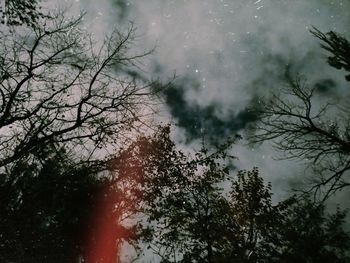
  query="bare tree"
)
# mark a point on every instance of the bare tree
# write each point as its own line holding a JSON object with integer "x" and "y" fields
{"x": 301, "y": 128}
{"x": 59, "y": 86}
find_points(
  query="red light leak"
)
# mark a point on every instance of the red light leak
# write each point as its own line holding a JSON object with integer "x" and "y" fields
{"x": 105, "y": 233}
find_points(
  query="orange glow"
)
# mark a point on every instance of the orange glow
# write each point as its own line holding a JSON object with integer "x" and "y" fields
{"x": 105, "y": 233}
{"x": 105, "y": 230}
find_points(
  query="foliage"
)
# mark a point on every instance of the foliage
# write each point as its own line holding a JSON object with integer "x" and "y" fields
{"x": 197, "y": 222}
{"x": 21, "y": 12}
{"x": 55, "y": 210}
{"x": 338, "y": 46}
{"x": 43, "y": 207}
{"x": 308, "y": 234}
{"x": 198, "y": 212}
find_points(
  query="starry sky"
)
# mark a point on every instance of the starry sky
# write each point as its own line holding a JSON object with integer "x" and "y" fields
{"x": 227, "y": 56}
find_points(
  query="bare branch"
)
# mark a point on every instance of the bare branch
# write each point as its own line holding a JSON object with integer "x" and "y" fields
{"x": 301, "y": 130}
{"x": 56, "y": 86}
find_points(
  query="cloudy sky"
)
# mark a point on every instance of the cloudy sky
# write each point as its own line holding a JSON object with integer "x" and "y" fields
{"x": 227, "y": 55}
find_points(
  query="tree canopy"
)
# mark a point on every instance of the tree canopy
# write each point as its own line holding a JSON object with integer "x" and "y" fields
{"x": 199, "y": 211}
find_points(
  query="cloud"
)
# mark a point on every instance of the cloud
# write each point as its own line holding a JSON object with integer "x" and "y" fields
{"x": 229, "y": 54}
{"x": 235, "y": 51}
{"x": 203, "y": 121}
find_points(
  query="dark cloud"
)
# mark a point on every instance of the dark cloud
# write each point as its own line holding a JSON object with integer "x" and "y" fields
{"x": 325, "y": 86}
{"x": 122, "y": 8}
{"x": 199, "y": 120}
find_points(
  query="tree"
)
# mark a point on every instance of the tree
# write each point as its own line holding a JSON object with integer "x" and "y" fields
{"x": 44, "y": 204}
{"x": 64, "y": 97}
{"x": 308, "y": 234}
{"x": 198, "y": 212}
{"x": 19, "y": 12}
{"x": 338, "y": 46}
{"x": 164, "y": 172}
{"x": 302, "y": 129}
{"x": 59, "y": 86}
{"x": 56, "y": 210}
{"x": 197, "y": 222}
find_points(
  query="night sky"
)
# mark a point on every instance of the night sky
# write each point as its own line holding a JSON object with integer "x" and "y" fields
{"x": 227, "y": 56}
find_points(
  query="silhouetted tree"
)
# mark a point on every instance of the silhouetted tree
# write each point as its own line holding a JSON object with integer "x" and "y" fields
{"x": 308, "y": 234}
{"x": 58, "y": 86}
{"x": 198, "y": 212}
{"x": 55, "y": 210}
{"x": 64, "y": 96}
{"x": 44, "y": 205}
{"x": 19, "y": 12}
{"x": 338, "y": 46}
{"x": 302, "y": 129}
{"x": 197, "y": 222}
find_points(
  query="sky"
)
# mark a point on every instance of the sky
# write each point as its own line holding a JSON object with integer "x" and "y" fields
{"x": 227, "y": 55}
